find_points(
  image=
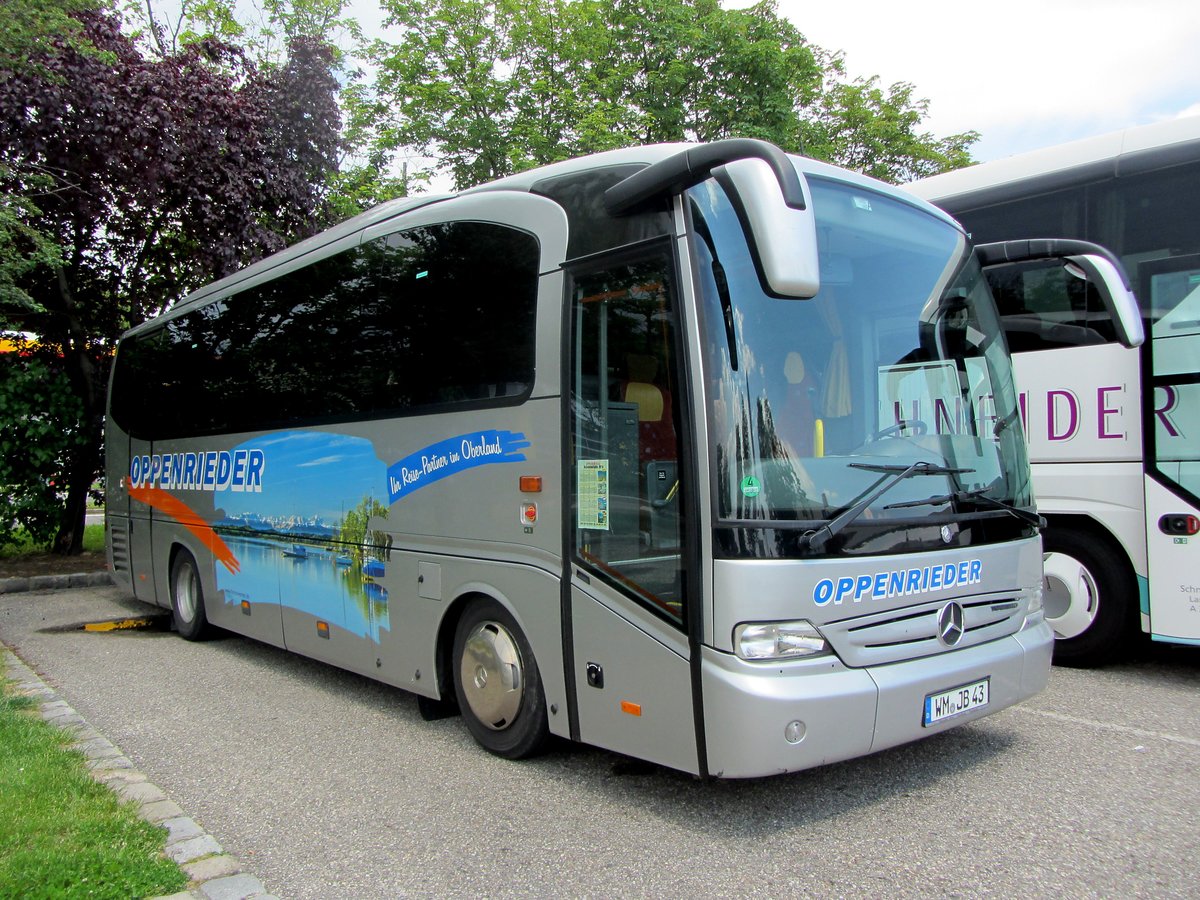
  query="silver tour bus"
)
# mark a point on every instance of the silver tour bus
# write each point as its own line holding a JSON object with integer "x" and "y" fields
{"x": 707, "y": 455}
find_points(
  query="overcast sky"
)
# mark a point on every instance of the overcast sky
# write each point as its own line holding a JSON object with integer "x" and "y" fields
{"x": 1024, "y": 73}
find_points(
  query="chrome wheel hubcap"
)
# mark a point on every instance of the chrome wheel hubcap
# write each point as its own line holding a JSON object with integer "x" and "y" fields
{"x": 491, "y": 675}
{"x": 1071, "y": 596}
{"x": 187, "y": 588}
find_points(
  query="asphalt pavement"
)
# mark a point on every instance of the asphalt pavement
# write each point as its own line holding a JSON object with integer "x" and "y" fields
{"x": 327, "y": 785}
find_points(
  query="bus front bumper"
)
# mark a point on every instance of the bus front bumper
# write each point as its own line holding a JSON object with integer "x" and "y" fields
{"x": 764, "y": 719}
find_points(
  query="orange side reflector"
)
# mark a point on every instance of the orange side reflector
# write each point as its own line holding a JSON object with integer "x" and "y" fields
{"x": 245, "y": 607}
{"x": 323, "y": 630}
{"x": 634, "y": 709}
{"x": 531, "y": 484}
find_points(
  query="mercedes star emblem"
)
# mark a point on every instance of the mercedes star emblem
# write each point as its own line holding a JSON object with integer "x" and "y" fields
{"x": 950, "y": 624}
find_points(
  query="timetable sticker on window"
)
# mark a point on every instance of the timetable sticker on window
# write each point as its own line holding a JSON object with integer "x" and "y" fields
{"x": 593, "y": 493}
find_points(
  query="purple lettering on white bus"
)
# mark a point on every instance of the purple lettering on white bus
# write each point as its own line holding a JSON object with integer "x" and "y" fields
{"x": 942, "y": 415}
{"x": 1052, "y": 413}
{"x": 1104, "y": 411}
{"x": 1164, "y": 409}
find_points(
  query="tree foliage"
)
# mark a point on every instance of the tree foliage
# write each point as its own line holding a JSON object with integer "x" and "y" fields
{"x": 484, "y": 88}
{"x": 163, "y": 174}
{"x": 39, "y": 432}
{"x": 28, "y": 25}
{"x": 859, "y": 126}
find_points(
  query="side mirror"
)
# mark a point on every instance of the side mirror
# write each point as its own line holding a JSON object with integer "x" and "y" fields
{"x": 764, "y": 187}
{"x": 1119, "y": 300}
{"x": 783, "y": 237}
{"x": 1103, "y": 270}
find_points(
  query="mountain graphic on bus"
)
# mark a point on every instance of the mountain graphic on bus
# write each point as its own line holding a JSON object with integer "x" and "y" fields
{"x": 304, "y": 541}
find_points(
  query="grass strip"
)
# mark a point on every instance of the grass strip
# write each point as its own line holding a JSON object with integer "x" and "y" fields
{"x": 21, "y": 544}
{"x": 62, "y": 834}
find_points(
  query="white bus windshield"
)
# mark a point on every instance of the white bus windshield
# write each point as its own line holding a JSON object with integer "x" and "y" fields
{"x": 814, "y": 404}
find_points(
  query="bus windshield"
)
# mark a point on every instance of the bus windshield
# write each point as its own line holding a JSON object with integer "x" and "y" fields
{"x": 897, "y": 367}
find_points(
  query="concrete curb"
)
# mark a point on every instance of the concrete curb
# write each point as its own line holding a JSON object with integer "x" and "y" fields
{"x": 213, "y": 874}
{"x": 19, "y": 584}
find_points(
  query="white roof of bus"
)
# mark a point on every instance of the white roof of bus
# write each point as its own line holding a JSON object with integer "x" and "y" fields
{"x": 1109, "y": 154}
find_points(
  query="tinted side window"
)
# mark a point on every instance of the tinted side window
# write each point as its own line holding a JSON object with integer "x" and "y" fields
{"x": 1043, "y": 307}
{"x": 435, "y": 316}
{"x": 1055, "y": 215}
{"x": 136, "y": 382}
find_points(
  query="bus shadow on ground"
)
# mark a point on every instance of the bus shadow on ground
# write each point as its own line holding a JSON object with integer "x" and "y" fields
{"x": 741, "y": 808}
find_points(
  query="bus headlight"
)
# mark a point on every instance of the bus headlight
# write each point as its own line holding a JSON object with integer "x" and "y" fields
{"x": 1035, "y": 597}
{"x": 778, "y": 640}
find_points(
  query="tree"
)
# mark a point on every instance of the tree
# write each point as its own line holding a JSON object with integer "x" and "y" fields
{"x": 23, "y": 248}
{"x": 858, "y": 126}
{"x": 363, "y": 177}
{"x": 488, "y": 87}
{"x": 28, "y": 23}
{"x": 442, "y": 89}
{"x": 38, "y": 434}
{"x": 697, "y": 72}
{"x": 166, "y": 174}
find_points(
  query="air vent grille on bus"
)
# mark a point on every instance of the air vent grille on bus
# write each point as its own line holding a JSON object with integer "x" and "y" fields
{"x": 911, "y": 633}
{"x": 119, "y": 539}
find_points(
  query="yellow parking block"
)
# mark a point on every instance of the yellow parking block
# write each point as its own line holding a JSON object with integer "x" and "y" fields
{"x": 119, "y": 625}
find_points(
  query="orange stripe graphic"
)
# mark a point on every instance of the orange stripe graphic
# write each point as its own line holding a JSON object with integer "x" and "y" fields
{"x": 170, "y": 505}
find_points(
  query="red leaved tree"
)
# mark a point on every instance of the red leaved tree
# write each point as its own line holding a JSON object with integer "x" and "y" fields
{"x": 153, "y": 176}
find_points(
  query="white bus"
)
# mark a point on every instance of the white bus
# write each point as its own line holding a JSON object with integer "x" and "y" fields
{"x": 1114, "y": 432}
{"x": 606, "y": 450}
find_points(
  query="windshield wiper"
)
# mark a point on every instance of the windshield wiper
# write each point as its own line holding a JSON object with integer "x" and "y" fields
{"x": 1025, "y": 515}
{"x": 819, "y": 538}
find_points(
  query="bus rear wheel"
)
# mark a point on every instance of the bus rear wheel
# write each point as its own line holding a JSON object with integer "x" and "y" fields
{"x": 187, "y": 598}
{"x": 497, "y": 682}
{"x": 1090, "y": 596}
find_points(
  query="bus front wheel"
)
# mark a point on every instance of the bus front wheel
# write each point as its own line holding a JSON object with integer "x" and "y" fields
{"x": 1090, "y": 596}
{"x": 497, "y": 682}
{"x": 187, "y": 598}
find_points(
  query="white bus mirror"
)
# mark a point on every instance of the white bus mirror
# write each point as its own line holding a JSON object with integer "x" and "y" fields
{"x": 764, "y": 187}
{"x": 782, "y": 237}
{"x": 1118, "y": 299}
{"x": 1100, "y": 267}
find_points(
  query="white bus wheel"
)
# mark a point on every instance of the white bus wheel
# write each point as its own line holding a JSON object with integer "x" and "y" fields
{"x": 187, "y": 598}
{"x": 1089, "y": 595}
{"x": 497, "y": 682}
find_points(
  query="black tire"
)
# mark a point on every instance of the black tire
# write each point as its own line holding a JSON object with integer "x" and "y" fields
{"x": 187, "y": 599}
{"x": 500, "y": 691}
{"x": 1090, "y": 595}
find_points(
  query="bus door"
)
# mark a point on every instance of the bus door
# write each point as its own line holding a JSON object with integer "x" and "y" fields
{"x": 627, "y": 594}
{"x": 1170, "y": 291}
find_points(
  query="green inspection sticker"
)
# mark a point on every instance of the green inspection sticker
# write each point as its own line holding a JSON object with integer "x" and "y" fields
{"x": 751, "y": 487}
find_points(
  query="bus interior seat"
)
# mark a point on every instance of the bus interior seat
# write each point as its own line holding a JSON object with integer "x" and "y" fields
{"x": 656, "y": 431}
{"x": 797, "y": 416}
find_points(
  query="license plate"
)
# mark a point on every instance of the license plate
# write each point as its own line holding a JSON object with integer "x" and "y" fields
{"x": 956, "y": 701}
